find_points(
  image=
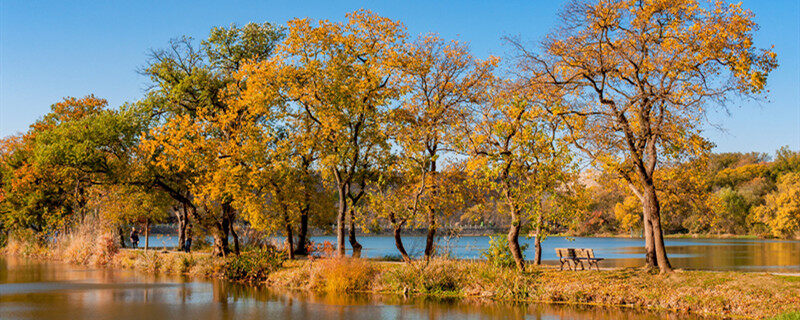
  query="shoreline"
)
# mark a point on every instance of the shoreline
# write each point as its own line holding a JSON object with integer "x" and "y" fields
{"x": 718, "y": 294}
{"x": 169, "y": 230}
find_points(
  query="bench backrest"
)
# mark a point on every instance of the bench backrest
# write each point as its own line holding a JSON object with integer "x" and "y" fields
{"x": 585, "y": 253}
{"x": 564, "y": 253}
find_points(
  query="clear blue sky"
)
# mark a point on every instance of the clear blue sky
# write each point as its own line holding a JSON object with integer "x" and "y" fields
{"x": 52, "y": 49}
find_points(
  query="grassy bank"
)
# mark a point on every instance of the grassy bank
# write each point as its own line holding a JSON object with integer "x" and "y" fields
{"x": 717, "y": 294}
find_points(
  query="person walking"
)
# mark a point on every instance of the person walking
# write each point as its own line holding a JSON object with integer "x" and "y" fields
{"x": 134, "y": 238}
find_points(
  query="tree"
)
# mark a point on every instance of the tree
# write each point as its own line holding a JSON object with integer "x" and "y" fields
{"x": 47, "y": 171}
{"x": 629, "y": 213}
{"x": 781, "y": 210}
{"x": 441, "y": 80}
{"x": 195, "y": 144}
{"x": 638, "y": 77}
{"x": 517, "y": 153}
{"x": 336, "y": 75}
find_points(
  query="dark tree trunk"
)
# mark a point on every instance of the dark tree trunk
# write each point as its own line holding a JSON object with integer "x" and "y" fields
{"x": 652, "y": 212}
{"x": 302, "y": 241}
{"x": 121, "y": 238}
{"x": 398, "y": 239}
{"x": 230, "y": 216}
{"x": 235, "y": 237}
{"x": 146, "y": 234}
{"x": 513, "y": 240}
{"x": 353, "y": 241}
{"x": 537, "y": 243}
{"x": 430, "y": 244}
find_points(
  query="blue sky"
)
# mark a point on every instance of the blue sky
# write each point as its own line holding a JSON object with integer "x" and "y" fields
{"x": 53, "y": 49}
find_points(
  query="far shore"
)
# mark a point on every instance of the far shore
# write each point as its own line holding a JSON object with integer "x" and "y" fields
{"x": 171, "y": 230}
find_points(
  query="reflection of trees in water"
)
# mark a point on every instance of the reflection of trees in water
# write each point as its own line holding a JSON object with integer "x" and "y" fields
{"x": 294, "y": 304}
{"x": 722, "y": 254}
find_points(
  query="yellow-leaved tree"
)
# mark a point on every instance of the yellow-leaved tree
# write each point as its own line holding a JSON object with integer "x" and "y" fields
{"x": 440, "y": 81}
{"x": 338, "y": 88}
{"x": 516, "y": 151}
{"x": 637, "y": 78}
{"x": 781, "y": 210}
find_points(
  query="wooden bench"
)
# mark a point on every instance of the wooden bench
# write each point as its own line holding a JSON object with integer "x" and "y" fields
{"x": 567, "y": 255}
{"x": 588, "y": 256}
{"x": 571, "y": 256}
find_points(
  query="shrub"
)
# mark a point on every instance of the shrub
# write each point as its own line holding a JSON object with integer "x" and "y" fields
{"x": 321, "y": 250}
{"x": 439, "y": 276}
{"x": 149, "y": 261}
{"x": 104, "y": 249}
{"x": 254, "y": 265}
{"x": 498, "y": 253}
{"x": 343, "y": 274}
{"x": 501, "y": 282}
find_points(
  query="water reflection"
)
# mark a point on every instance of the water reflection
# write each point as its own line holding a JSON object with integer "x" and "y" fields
{"x": 48, "y": 290}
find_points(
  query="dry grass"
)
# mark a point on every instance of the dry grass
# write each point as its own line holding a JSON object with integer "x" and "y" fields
{"x": 330, "y": 275}
{"x": 723, "y": 294}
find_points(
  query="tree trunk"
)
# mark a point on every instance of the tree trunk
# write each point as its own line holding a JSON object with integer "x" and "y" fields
{"x": 221, "y": 237}
{"x": 146, "y": 234}
{"x": 649, "y": 247}
{"x": 513, "y": 241}
{"x": 537, "y": 243}
{"x": 289, "y": 237}
{"x": 235, "y": 239}
{"x": 121, "y": 238}
{"x": 228, "y": 218}
{"x": 398, "y": 240}
{"x": 340, "y": 215}
{"x": 353, "y": 242}
{"x": 429, "y": 240}
{"x": 181, "y": 214}
{"x": 192, "y": 212}
{"x": 302, "y": 245}
{"x": 652, "y": 212}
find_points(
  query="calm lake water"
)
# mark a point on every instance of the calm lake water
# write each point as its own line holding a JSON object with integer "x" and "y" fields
{"x": 695, "y": 254}
{"x": 50, "y": 290}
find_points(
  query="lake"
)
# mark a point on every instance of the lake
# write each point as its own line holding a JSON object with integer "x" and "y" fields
{"x": 756, "y": 255}
{"x": 32, "y": 289}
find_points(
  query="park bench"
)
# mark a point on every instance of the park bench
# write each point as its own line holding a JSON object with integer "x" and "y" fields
{"x": 588, "y": 256}
{"x": 565, "y": 256}
{"x": 571, "y": 256}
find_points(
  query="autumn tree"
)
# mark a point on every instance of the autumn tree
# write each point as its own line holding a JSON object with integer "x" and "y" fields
{"x": 441, "y": 80}
{"x": 781, "y": 210}
{"x": 336, "y": 76}
{"x": 194, "y": 146}
{"x": 517, "y": 152}
{"x": 48, "y": 171}
{"x": 638, "y": 77}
